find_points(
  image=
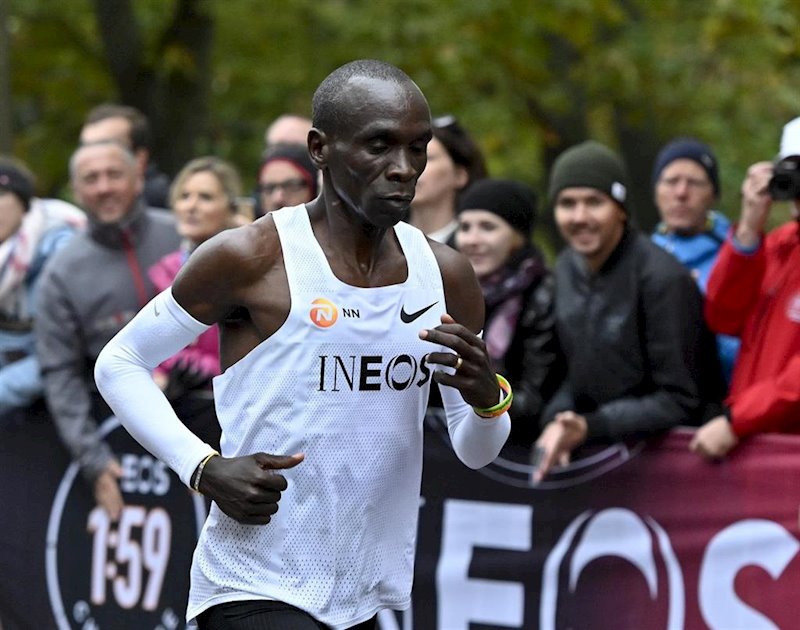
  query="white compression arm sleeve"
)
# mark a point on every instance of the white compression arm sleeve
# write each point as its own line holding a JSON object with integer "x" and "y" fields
{"x": 123, "y": 373}
{"x": 476, "y": 440}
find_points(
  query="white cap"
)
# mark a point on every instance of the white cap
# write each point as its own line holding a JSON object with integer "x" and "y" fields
{"x": 790, "y": 139}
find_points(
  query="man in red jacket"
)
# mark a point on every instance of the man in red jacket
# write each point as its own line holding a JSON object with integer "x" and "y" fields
{"x": 754, "y": 292}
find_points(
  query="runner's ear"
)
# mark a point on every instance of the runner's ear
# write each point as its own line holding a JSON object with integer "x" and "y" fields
{"x": 318, "y": 147}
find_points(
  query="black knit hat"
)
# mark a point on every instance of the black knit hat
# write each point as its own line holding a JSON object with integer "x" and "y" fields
{"x": 297, "y": 155}
{"x": 16, "y": 179}
{"x": 511, "y": 200}
{"x": 591, "y": 165}
{"x": 690, "y": 149}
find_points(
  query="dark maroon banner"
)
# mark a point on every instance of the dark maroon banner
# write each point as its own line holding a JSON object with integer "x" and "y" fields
{"x": 632, "y": 536}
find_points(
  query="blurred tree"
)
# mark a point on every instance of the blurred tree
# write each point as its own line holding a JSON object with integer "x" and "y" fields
{"x": 5, "y": 82}
{"x": 168, "y": 77}
{"x": 528, "y": 79}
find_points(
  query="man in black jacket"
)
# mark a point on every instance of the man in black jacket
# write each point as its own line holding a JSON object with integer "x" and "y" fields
{"x": 629, "y": 319}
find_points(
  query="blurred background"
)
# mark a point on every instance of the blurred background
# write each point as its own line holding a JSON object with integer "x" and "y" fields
{"x": 527, "y": 78}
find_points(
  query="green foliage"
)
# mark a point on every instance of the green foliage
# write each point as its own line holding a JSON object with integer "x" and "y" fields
{"x": 528, "y": 78}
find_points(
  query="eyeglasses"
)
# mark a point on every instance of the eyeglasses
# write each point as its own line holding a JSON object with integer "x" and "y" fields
{"x": 289, "y": 186}
{"x": 674, "y": 182}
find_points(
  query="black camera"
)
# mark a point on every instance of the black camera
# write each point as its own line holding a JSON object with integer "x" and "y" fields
{"x": 785, "y": 182}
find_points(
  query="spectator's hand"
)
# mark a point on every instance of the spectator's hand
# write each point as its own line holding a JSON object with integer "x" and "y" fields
{"x": 756, "y": 203}
{"x": 106, "y": 490}
{"x": 161, "y": 379}
{"x": 247, "y": 488}
{"x": 563, "y": 435}
{"x": 183, "y": 378}
{"x": 715, "y": 439}
{"x": 474, "y": 378}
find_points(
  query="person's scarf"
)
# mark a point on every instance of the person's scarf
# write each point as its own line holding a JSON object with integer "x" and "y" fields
{"x": 504, "y": 293}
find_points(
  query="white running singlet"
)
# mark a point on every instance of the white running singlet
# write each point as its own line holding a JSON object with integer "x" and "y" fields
{"x": 344, "y": 381}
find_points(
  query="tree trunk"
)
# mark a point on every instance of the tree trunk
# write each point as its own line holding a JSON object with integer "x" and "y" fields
{"x": 6, "y": 135}
{"x": 169, "y": 85}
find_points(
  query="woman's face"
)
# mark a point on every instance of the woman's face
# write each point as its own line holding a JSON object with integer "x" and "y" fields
{"x": 202, "y": 208}
{"x": 487, "y": 240}
{"x": 441, "y": 180}
{"x": 11, "y": 213}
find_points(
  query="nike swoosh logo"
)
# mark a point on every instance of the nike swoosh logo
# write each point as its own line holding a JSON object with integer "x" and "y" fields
{"x": 410, "y": 317}
{"x": 155, "y": 308}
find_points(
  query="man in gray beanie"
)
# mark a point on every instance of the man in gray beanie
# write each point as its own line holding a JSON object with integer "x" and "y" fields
{"x": 629, "y": 319}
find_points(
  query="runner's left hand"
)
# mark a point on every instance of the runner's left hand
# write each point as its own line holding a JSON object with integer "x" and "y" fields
{"x": 474, "y": 376}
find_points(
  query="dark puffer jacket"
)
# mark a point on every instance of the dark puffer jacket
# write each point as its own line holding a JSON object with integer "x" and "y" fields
{"x": 639, "y": 356}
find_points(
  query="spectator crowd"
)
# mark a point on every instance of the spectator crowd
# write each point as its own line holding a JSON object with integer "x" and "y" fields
{"x": 627, "y": 335}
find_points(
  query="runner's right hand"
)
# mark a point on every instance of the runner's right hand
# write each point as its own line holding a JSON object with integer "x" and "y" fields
{"x": 247, "y": 488}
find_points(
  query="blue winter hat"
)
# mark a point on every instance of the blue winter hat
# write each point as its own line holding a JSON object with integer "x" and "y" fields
{"x": 690, "y": 149}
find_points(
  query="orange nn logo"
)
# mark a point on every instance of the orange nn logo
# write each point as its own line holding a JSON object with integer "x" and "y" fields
{"x": 323, "y": 313}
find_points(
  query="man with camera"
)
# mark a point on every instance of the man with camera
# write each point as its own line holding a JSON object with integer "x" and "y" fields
{"x": 754, "y": 293}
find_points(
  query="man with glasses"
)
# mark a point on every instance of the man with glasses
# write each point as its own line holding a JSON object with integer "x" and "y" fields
{"x": 287, "y": 177}
{"x": 686, "y": 187}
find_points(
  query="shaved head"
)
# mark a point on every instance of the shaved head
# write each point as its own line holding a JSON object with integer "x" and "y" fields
{"x": 330, "y": 105}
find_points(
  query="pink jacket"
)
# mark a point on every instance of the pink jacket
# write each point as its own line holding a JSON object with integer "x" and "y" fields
{"x": 203, "y": 352}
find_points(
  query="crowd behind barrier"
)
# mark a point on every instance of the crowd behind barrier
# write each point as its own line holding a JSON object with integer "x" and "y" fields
{"x": 642, "y": 533}
{"x": 636, "y": 535}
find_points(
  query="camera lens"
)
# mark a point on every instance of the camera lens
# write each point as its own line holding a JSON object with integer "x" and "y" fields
{"x": 785, "y": 182}
{"x": 780, "y": 187}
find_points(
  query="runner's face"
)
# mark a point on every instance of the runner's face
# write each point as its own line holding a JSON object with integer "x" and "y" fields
{"x": 375, "y": 158}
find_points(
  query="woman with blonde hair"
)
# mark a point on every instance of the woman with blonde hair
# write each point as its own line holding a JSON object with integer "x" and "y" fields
{"x": 204, "y": 198}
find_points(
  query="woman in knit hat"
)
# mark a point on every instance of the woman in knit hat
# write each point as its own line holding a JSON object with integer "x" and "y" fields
{"x": 31, "y": 230}
{"x": 495, "y": 219}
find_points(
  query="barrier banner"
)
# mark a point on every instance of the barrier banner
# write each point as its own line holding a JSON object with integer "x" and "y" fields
{"x": 632, "y": 536}
{"x": 642, "y": 536}
{"x": 67, "y": 565}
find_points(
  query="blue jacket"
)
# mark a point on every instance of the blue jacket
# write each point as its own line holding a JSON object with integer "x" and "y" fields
{"x": 698, "y": 253}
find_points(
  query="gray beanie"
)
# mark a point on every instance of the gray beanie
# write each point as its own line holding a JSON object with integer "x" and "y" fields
{"x": 591, "y": 165}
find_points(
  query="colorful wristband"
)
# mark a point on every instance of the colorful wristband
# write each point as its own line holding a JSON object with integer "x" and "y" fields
{"x": 199, "y": 472}
{"x": 500, "y": 408}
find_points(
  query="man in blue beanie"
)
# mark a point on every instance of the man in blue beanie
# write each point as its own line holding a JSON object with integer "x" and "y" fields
{"x": 686, "y": 187}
